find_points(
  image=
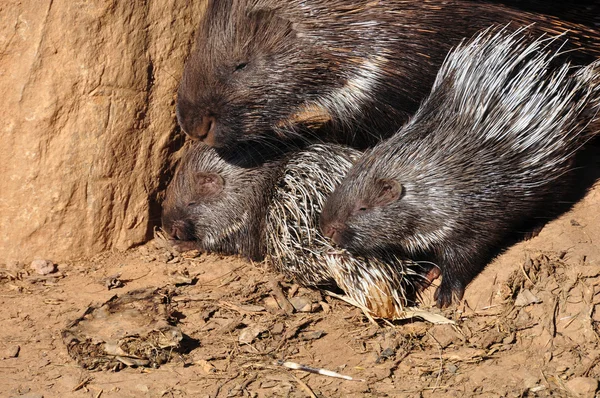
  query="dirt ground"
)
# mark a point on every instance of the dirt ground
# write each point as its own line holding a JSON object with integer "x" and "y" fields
{"x": 528, "y": 327}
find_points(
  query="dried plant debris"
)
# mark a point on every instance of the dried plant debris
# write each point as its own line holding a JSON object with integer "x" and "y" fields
{"x": 134, "y": 329}
{"x": 533, "y": 270}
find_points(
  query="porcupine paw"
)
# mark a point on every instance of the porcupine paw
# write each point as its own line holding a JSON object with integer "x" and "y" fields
{"x": 448, "y": 291}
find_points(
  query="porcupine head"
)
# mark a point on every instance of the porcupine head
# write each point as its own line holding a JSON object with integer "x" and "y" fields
{"x": 250, "y": 71}
{"x": 215, "y": 206}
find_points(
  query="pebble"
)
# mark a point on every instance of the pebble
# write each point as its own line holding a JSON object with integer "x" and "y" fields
{"x": 301, "y": 304}
{"x": 43, "y": 267}
{"x": 12, "y": 352}
{"x": 249, "y": 334}
{"x": 444, "y": 335}
{"x": 525, "y": 298}
{"x": 165, "y": 257}
{"x": 583, "y": 386}
{"x": 277, "y": 328}
{"x": 451, "y": 368}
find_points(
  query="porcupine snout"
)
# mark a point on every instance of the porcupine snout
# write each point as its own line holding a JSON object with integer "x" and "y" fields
{"x": 204, "y": 130}
{"x": 182, "y": 230}
{"x": 333, "y": 231}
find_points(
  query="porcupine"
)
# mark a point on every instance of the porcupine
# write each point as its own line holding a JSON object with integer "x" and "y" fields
{"x": 272, "y": 210}
{"x": 490, "y": 150}
{"x": 334, "y": 70}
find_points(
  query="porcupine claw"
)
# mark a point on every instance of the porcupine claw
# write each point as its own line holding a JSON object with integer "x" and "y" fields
{"x": 448, "y": 292}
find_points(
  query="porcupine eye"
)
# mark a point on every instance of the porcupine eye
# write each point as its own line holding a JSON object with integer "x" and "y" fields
{"x": 241, "y": 66}
{"x": 361, "y": 207}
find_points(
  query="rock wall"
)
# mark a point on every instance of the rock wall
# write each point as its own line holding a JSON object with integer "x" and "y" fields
{"x": 88, "y": 127}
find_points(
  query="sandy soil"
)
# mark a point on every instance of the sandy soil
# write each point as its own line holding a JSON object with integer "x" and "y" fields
{"x": 528, "y": 327}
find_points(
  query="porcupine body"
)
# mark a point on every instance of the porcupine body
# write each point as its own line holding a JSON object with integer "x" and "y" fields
{"x": 490, "y": 151}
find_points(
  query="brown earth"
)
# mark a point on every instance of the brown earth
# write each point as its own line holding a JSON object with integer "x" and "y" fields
{"x": 236, "y": 333}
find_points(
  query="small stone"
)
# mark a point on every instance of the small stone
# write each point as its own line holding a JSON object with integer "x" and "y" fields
{"x": 113, "y": 282}
{"x": 43, "y": 267}
{"x": 451, "y": 368}
{"x": 277, "y": 328}
{"x": 525, "y": 298}
{"x": 181, "y": 280}
{"x": 271, "y": 304}
{"x": 538, "y": 388}
{"x": 165, "y": 257}
{"x": 12, "y": 352}
{"x": 444, "y": 335}
{"x": 249, "y": 334}
{"x": 301, "y": 304}
{"x": 583, "y": 386}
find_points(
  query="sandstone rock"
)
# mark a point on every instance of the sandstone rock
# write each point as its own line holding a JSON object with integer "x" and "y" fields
{"x": 88, "y": 130}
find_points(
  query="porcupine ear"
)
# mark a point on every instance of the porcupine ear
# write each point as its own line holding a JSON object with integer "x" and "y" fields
{"x": 209, "y": 184}
{"x": 388, "y": 191}
{"x": 267, "y": 15}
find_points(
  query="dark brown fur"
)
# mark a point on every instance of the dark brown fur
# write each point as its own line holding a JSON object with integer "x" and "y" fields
{"x": 340, "y": 70}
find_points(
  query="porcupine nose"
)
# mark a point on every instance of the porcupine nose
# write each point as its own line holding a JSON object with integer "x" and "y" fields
{"x": 179, "y": 231}
{"x": 332, "y": 231}
{"x": 205, "y": 130}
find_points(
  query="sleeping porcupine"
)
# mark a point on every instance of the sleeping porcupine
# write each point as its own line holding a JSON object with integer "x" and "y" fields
{"x": 272, "y": 210}
{"x": 488, "y": 151}
{"x": 334, "y": 70}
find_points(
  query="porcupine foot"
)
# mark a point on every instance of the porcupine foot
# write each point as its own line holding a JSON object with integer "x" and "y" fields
{"x": 451, "y": 289}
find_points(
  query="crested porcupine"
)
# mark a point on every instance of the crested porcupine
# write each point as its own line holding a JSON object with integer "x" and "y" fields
{"x": 490, "y": 150}
{"x": 335, "y": 70}
{"x": 272, "y": 211}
